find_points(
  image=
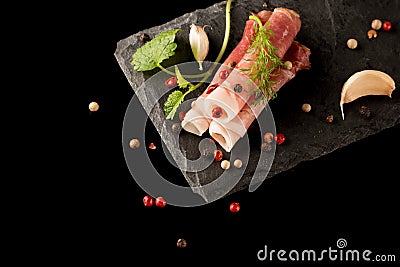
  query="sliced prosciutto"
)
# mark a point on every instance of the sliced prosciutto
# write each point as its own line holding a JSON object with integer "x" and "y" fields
{"x": 285, "y": 24}
{"x": 227, "y": 134}
{"x": 195, "y": 120}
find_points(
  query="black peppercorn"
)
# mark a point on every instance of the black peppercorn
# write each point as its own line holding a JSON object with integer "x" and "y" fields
{"x": 365, "y": 112}
{"x": 181, "y": 243}
{"x": 207, "y": 152}
{"x": 266, "y": 147}
{"x": 144, "y": 37}
{"x": 329, "y": 119}
{"x": 232, "y": 64}
{"x": 238, "y": 88}
{"x": 176, "y": 127}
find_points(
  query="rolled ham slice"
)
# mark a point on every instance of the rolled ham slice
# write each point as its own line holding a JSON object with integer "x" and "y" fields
{"x": 227, "y": 134}
{"x": 195, "y": 120}
{"x": 285, "y": 24}
{"x": 226, "y": 138}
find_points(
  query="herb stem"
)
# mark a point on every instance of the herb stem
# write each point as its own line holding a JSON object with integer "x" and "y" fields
{"x": 257, "y": 19}
{"x": 165, "y": 70}
{"x": 205, "y": 74}
{"x": 227, "y": 30}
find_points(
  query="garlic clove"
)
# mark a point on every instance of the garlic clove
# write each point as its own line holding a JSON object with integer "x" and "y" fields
{"x": 366, "y": 82}
{"x": 199, "y": 43}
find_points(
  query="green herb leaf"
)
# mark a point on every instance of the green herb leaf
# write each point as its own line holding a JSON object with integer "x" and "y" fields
{"x": 151, "y": 54}
{"x": 172, "y": 103}
{"x": 176, "y": 97}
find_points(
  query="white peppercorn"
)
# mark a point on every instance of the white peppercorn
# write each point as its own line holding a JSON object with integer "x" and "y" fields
{"x": 352, "y": 43}
{"x": 93, "y": 106}
{"x": 376, "y": 24}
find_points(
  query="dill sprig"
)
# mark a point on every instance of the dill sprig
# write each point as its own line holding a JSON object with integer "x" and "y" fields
{"x": 265, "y": 62}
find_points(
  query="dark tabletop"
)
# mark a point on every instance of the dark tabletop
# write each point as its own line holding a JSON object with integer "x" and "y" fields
{"x": 350, "y": 193}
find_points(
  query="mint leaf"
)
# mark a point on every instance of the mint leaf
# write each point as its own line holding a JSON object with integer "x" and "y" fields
{"x": 176, "y": 97}
{"x": 152, "y": 53}
{"x": 172, "y": 103}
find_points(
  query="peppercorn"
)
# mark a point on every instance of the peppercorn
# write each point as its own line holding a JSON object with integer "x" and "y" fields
{"x": 234, "y": 207}
{"x": 372, "y": 34}
{"x": 288, "y": 65}
{"x": 134, "y": 143}
{"x": 218, "y": 155}
{"x": 376, "y": 24}
{"x": 144, "y": 37}
{"x": 268, "y": 137}
{"x": 329, "y": 118}
{"x": 223, "y": 74}
{"x": 152, "y": 146}
{"x": 387, "y": 25}
{"x": 306, "y": 107}
{"x": 171, "y": 82}
{"x": 93, "y": 106}
{"x": 279, "y": 138}
{"x": 266, "y": 147}
{"x": 148, "y": 201}
{"x": 176, "y": 127}
{"x": 181, "y": 243}
{"x": 160, "y": 202}
{"x": 217, "y": 112}
{"x": 238, "y": 88}
{"x": 238, "y": 163}
{"x": 352, "y": 43}
{"x": 207, "y": 153}
{"x": 365, "y": 112}
{"x": 225, "y": 164}
{"x": 232, "y": 64}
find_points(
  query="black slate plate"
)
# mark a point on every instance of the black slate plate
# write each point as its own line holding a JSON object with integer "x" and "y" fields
{"x": 326, "y": 27}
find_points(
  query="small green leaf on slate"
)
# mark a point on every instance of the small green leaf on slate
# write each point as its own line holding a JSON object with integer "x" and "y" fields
{"x": 152, "y": 53}
{"x": 172, "y": 103}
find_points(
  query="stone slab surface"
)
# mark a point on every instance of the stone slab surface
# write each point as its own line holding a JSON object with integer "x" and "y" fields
{"x": 326, "y": 26}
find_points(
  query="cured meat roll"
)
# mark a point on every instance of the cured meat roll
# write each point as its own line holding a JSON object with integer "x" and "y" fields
{"x": 285, "y": 24}
{"x": 227, "y": 106}
{"x": 195, "y": 120}
{"x": 227, "y": 134}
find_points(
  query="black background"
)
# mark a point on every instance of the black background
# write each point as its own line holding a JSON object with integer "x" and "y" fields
{"x": 350, "y": 193}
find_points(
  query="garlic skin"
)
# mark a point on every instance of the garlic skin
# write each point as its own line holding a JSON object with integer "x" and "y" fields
{"x": 199, "y": 43}
{"x": 366, "y": 82}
